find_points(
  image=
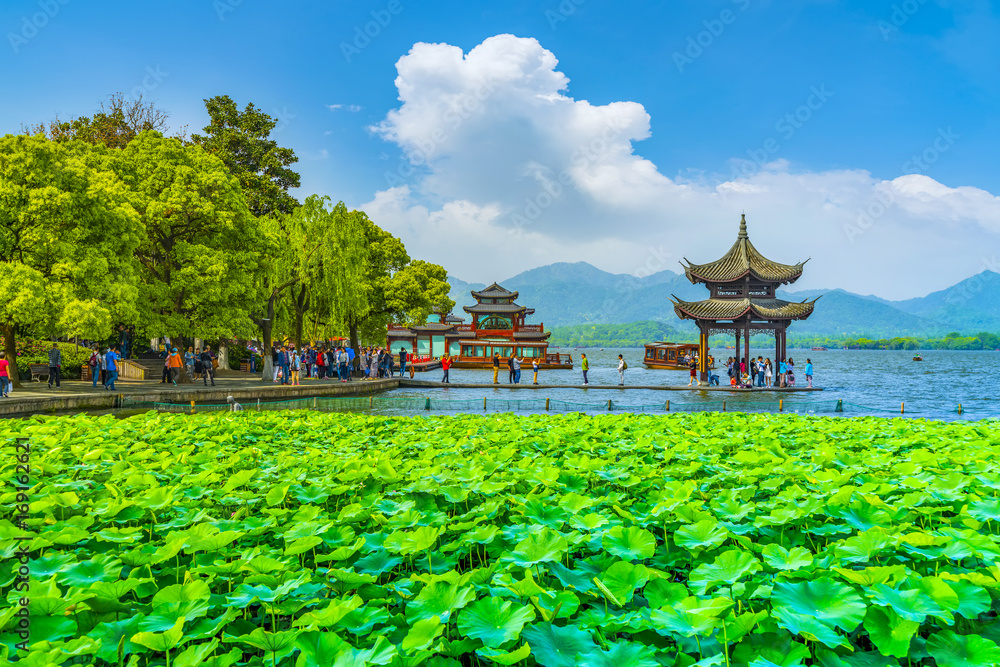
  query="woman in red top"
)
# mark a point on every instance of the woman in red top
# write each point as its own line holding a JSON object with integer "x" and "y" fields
{"x": 445, "y": 365}
{"x": 5, "y": 382}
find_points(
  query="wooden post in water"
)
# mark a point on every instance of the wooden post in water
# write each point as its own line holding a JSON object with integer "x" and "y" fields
{"x": 609, "y": 404}
{"x": 960, "y": 408}
{"x": 781, "y": 405}
{"x": 192, "y": 407}
{"x": 667, "y": 406}
{"x": 902, "y": 406}
{"x": 314, "y": 402}
{"x": 484, "y": 403}
{"x": 546, "y": 404}
{"x": 723, "y": 406}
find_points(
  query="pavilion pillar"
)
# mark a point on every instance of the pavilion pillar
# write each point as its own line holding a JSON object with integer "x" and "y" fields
{"x": 736, "y": 354}
{"x": 703, "y": 352}
{"x": 746, "y": 346}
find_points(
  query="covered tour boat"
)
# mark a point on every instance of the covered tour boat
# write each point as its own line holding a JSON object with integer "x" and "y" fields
{"x": 671, "y": 356}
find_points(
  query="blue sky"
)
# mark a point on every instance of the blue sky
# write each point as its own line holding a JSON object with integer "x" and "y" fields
{"x": 707, "y": 84}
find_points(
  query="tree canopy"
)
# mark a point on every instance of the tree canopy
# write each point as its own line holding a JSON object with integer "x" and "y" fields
{"x": 115, "y": 124}
{"x": 241, "y": 139}
{"x": 67, "y": 237}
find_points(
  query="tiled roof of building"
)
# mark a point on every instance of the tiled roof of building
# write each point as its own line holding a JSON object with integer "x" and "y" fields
{"x": 495, "y": 291}
{"x": 743, "y": 259}
{"x": 733, "y": 309}
{"x": 489, "y": 308}
{"x": 529, "y": 335}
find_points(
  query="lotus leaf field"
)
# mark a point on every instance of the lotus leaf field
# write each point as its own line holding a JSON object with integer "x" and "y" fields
{"x": 313, "y": 539}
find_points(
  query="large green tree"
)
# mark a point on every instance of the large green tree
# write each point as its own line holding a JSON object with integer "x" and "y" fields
{"x": 242, "y": 140}
{"x": 67, "y": 237}
{"x": 202, "y": 249}
{"x": 397, "y": 289}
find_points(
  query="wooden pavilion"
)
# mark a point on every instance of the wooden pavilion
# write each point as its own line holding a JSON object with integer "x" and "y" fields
{"x": 743, "y": 299}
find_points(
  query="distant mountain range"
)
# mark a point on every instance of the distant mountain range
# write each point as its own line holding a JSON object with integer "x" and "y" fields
{"x": 578, "y": 293}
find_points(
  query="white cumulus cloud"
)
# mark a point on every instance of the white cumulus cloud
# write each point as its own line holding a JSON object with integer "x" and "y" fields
{"x": 503, "y": 170}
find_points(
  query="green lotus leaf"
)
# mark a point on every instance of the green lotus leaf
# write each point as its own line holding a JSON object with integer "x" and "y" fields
{"x": 662, "y": 593}
{"x": 863, "y": 547}
{"x": 494, "y": 621}
{"x": 938, "y": 590}
{"x": 622, "y": 654}
{"x": 952, "y": 650}
{"x": 53, "y": 563}
{"x": 502, "y": 657}
{"x": 690, "y": 616}
{"x": 215, "y": 542}
{"x": 702, "y": 535}
{"x": 727, "y": 568}
{"x": 972, "y": 600}
{"x": 109, "y": 634}
{"x": 276, "y": 495}
{"x": 195, "y": 654}
{"x": 440, "y": 599}
{"x": 869, "y": 576}
{"x": 330, "y": 614}
{"x": 814, "y": 608}
{"x": 629, "y": 543}
{"x": 623, "y": 578}
{"x": 890, "y": 633}
{"x": 302, "y": 545}
{"x": 912, "y": 605}
{"x": 410, "y": 542}
{"x": 422, "y": 633}
{"x": 195, "y": 590}
{"x": 554, "y": 646}
{"x": 271, "y": 642}
{"x": 781, "y": 558}
{"x": 161, "y": 641}
{"x": 588, "y": 523}
{"x": 84, "y": 573}
{"x": 539, "y": 547}
{"x": 321, "y": 649}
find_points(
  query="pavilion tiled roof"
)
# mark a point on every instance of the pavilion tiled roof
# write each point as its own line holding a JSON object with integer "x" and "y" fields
{"x": 733, "y": 309}
{"x": 743, "y": 259}
{"x": 489, "y": 308}
{"x": 495, "y": 291}
{"x": 528, "y": 335}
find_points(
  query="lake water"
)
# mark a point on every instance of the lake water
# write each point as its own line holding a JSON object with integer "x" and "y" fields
{"x": 869, "y": 382}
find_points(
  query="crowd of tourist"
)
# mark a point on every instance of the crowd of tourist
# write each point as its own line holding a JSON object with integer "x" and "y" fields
{"x": 760, "y": 372}
{"x": 326, "y": 362}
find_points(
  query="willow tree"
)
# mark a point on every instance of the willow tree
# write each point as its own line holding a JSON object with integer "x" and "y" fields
{"x": 201, "y": 249}
{"x": 67, "y": 237}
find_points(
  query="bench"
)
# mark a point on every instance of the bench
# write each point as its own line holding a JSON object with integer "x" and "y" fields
{"x": 38, "y": 371}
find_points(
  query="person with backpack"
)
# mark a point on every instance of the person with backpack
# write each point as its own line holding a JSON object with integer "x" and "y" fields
{"x": 402, "y": 361}
{"x": 295, "y": 364}
{"x": 94, "y": 363}
{"x": 111, "y": 359}
{"x": 517, "y": 369}
{"x": 510, "y": 369}
{"x": 622, "y": 367}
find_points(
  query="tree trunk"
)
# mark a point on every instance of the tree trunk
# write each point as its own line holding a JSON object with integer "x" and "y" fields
{"x": 222, "y": 352}
{"x": 10, "y": 349}
{"x": 301, "y": 303}
{"x": 355, "y": 344}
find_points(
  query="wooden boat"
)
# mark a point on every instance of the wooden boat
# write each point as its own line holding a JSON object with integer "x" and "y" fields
{"x": 546, "y": 361}
{"x": 819, "y": 349}
{"x": 669, "y": 356}
{"x": 917, "y": 357}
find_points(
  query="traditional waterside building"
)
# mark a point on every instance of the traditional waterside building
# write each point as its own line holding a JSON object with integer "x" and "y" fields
{"x": 498, "y": 327}
{"x": 743, "y": 300}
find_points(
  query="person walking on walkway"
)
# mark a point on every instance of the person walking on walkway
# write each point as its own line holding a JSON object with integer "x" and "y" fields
{"x": 5, "y": 375}
{"x": 174, "y": 363}
{"x": 790, "y": 373}
{"x": 102, "y": 361}
{"x": 809, "y": 373}
{"x": 295, "y": 365}
{"x": 510, "y": 369}
{"x": 111, "y": 360}
{"x": 445, "y": 365}
{"x": 276, "y": 360}
{"x": 496, "y": 368}
{"x": 534, "y": 368}
{"x": 622, "y": 367}
{"x": 694, "y": 372}
{"x": 189, "y": 361}
{"x": 585, "y": 366}
{"x": 55, "y": 364}
{"x": 516, "y": 363}
{"x": 94, "y": 363}
{"x": 402, "y": 361}
{"x": 206, "y": 364}
{"x": 345, "y": 365}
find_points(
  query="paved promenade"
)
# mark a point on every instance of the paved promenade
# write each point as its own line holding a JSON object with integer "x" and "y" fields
{"x": 427, "y": 384}
{"x": 76, "y": 395}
